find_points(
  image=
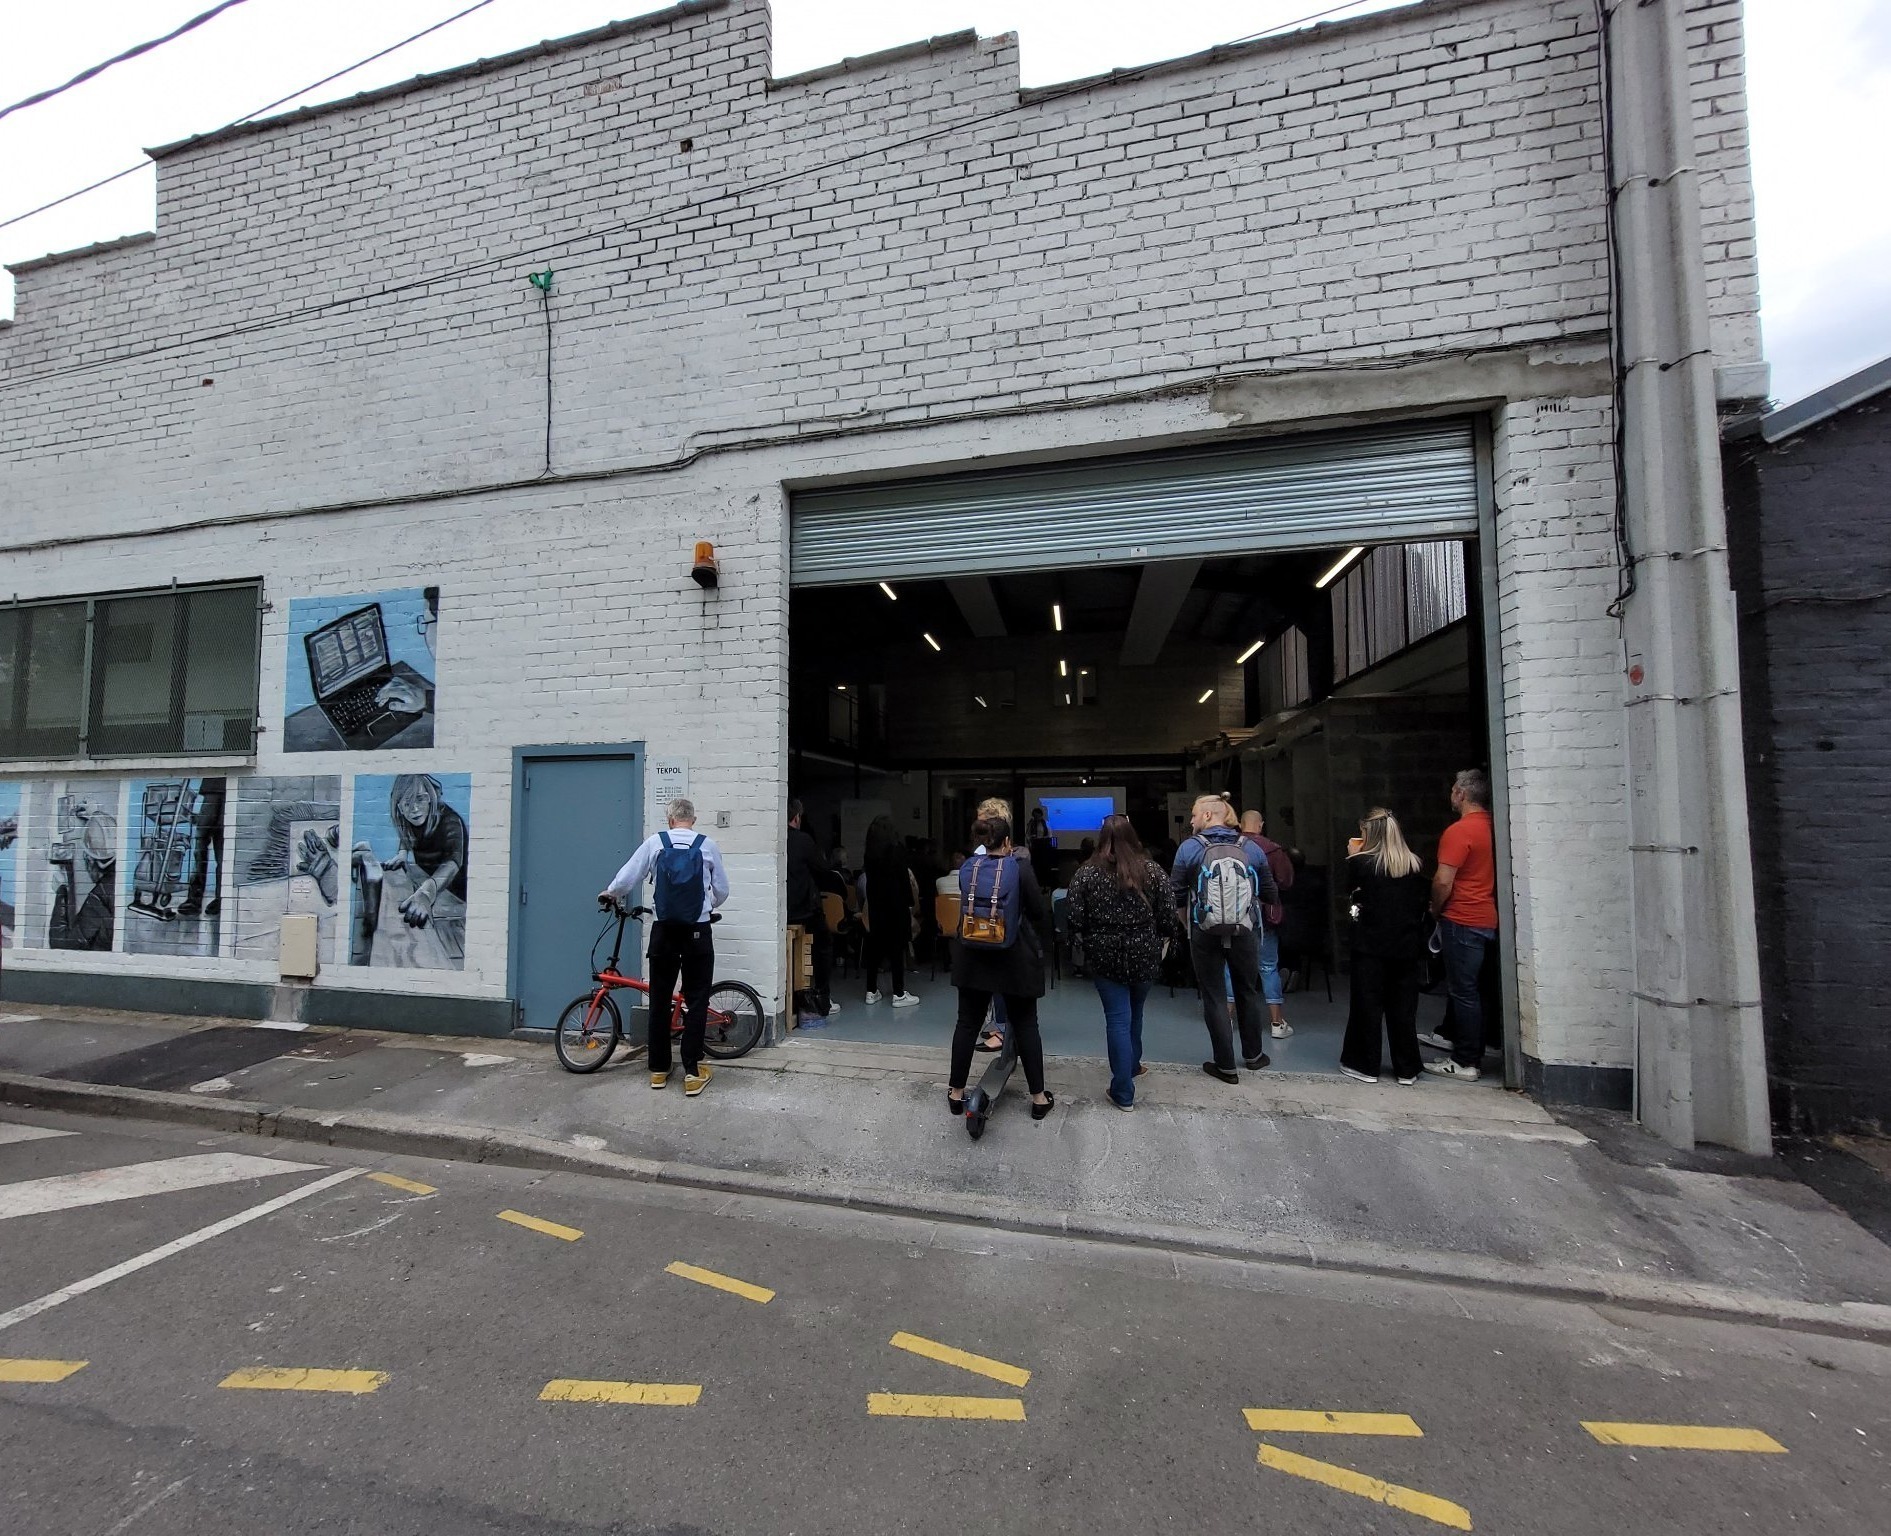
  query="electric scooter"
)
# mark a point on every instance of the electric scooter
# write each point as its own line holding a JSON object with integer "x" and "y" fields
{"x": 982, "y": 1099}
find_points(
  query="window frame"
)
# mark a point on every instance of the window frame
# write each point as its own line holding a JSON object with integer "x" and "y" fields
{"x": 88, "y": 703}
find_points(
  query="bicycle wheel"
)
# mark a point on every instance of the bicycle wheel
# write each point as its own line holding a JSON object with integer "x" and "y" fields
{"x": 588, "y": 1031}
{"x": 735, "y": 1021}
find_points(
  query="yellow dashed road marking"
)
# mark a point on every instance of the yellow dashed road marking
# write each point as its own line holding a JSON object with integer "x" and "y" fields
{"x": 650, "y": 1394}
{"x": 1429, "y": 1506}
{"x": 39, "y": 1370}
{"x": 915, "y": 1405}
{"x": 270, "y": 1378}
{"x": 1684, "y": 1437}
{"x": 945, "y": 1354}
{"x": 742, "y": 1288}
{"x": 395, "y": 1181}
{"x": 1311, "y": 1421}
{"x": 533, "y": 1224}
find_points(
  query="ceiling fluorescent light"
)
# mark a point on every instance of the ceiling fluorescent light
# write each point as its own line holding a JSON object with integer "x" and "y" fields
{"x": 892, "y": 596}
{"x": 1339, "y": 565}
{"x": 1057, "y": 617}
{"x": 979, "y": 700}
{"x": 840, "y": 687}
{"x": 1248, "y": 655}
{"x": 1063, "y": 668}
{"x": 933, "y": 643}
{"x": 1206, "y": 697}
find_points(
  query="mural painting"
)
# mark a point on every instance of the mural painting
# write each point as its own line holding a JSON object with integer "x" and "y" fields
{"x": 173, "y": 904}
{"x": 12, "y": 809}
{"x": 361, "y": 671}
{"x": 286, "y": 858}
{"x": 409, "y": 871}
{"x": 83, "y": 856}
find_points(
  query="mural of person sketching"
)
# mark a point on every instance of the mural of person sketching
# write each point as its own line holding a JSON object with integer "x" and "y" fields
{"x": 415, "y": 870}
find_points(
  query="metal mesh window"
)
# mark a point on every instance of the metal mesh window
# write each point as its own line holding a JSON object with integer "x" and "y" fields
{"x": 132, "y": 674}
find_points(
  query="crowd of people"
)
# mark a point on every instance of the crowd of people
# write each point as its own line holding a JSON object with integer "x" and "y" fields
{"x": 1219, "y": 902}
{"x": 1216, "y": 900}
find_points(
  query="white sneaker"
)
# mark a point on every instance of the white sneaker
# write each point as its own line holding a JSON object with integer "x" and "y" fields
{"x": 1281, "y": 1030}
{"x": 905, "y": 1000}
{"x": 1358, "y": 1077}
{"x": 1435, "y": 1041}
{"x": 832, "y": 1009}
{"x": 872, "y": 998}
{"x": 1452, "y": 1069}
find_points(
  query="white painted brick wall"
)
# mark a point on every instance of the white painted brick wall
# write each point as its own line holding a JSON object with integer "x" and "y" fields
{"x": 911, "y": 247}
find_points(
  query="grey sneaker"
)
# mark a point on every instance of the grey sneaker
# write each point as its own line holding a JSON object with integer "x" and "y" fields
{"x": 1358, "y": 1077}
{"x": 1452, "y": 1069}
{"x": 1436, "y": 1041}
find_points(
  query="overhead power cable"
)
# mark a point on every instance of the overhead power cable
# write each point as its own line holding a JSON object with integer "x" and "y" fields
{"x": 280, "y": 101}
{"x": 119, "y": 58}
{"x": 698, "y": 205}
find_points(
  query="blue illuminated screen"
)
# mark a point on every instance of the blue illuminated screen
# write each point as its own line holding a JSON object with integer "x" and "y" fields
{"x": 1077, "y": 815}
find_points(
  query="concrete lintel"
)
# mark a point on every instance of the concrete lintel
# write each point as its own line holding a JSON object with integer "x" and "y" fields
{"x": 1333, "y": 395}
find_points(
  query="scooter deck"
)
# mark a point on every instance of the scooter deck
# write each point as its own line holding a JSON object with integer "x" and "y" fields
{"x": 983, "y": 1098}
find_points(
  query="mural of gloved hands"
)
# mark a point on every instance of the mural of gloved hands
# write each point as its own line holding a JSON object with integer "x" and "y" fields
{"x": 318, "y": 861}
{"x": 9, "y": 830}
{"x": 402, "y": 695}
{"x": 417, "y": 908}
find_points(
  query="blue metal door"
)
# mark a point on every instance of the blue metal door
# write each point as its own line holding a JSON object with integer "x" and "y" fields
{"x": 579, "y": 819}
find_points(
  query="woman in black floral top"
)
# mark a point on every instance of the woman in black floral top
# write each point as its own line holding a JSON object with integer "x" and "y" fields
{"x": 1122, "y": 911}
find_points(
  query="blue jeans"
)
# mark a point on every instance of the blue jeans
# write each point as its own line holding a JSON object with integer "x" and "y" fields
{"x": 1463, "y": 950}
{"x": 1272, "y": 993}
{"x": 1122, "y": 1031}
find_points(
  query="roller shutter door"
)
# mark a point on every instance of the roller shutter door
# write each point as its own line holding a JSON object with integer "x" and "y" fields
{"x": 1406, "y": 482}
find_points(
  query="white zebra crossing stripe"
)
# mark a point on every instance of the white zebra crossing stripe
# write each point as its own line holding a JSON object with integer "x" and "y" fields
{"x": 13, "y": 1133}
{"x": 133, "y": 1181}
{"x": 177, "y": 1245}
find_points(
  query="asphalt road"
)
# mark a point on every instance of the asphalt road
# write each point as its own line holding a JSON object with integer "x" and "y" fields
{"x": 784, "y": 1406}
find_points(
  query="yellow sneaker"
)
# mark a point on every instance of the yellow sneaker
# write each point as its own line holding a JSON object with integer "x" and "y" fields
{"x": 659, "y": 1079}
{"x": 695, "y": 1082}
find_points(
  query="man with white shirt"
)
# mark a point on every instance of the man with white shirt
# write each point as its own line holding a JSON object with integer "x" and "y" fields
{"x": 691, "y": 883}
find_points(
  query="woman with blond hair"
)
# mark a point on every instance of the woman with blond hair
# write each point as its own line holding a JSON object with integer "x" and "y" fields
{"x": 1390, "y": 896}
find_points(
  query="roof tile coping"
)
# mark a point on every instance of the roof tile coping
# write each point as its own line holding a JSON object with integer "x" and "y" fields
{"x": 945, "y": 42}
{"x": 97, "y": 248}
{"x": 682, "y": 10}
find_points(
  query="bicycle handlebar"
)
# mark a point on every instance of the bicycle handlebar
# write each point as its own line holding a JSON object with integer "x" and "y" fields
{"x": 605, "y": 904}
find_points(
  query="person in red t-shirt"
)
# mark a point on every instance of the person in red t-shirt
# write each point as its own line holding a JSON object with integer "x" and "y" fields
{"x": 1464, "y": 900}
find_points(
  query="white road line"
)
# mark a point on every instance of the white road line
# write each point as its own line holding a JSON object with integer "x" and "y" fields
{"x": 190, "y": 1240}
{"x": 133, "y": 1181}
{"x": 12, "y": 1133}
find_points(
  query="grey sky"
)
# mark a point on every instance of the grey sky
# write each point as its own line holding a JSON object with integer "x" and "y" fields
{"x": 1818, "y": 91}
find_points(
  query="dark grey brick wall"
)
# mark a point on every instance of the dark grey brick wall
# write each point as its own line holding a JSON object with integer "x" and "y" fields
{"x": 1809, "y": 524}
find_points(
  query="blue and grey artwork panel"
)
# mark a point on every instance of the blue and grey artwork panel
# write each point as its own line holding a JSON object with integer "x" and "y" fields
{"x": 409, "y": 870}
{"x": 286, "y": 857}
{"x": 360, "y": 671}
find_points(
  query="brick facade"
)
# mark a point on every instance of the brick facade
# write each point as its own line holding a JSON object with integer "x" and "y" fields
{"x": 327, "y": 369}
{"x": 1811, "y": 567}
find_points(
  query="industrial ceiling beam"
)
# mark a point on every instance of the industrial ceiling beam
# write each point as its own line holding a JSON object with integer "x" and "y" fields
{"x": 1160, "y": 594}
{"x": 979, "y": 603}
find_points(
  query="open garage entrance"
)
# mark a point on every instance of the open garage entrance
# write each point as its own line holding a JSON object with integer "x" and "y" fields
{"x": 1298, "y": 623}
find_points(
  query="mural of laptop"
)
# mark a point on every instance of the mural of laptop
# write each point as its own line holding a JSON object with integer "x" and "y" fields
{"x": 348, "y": 666}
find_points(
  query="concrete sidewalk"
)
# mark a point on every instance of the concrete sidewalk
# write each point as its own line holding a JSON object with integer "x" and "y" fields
{"x": 1458, "y": 1181}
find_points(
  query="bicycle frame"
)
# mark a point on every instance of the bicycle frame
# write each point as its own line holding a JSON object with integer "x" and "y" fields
{"x": 611, "y": 979}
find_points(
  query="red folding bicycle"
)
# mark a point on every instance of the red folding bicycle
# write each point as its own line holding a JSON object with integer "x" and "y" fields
{"x": 590, "y": 1027}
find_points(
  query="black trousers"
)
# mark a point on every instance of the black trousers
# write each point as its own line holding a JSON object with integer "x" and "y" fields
{"x": 889, "y": 951}
{"x": 688, "y": 950}
{"x": 1383, "y": 990}
{"x": 818, "y": 994}
{"x": 1241, "y": 954}
{"x": 1025, "y": 1039}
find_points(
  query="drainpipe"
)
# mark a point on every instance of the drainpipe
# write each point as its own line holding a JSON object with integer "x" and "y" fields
{"x": 1700, "y": 1068}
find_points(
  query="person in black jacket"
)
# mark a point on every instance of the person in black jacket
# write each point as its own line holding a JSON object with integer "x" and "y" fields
{"x": 805, "y": 871}
{"x": 1390, "y": 897}
{"x": 1015, "y": 974}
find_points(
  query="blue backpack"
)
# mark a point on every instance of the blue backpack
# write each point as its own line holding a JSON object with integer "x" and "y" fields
{"x": 988, "y": 901}
{"x": 680, "y": 885}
